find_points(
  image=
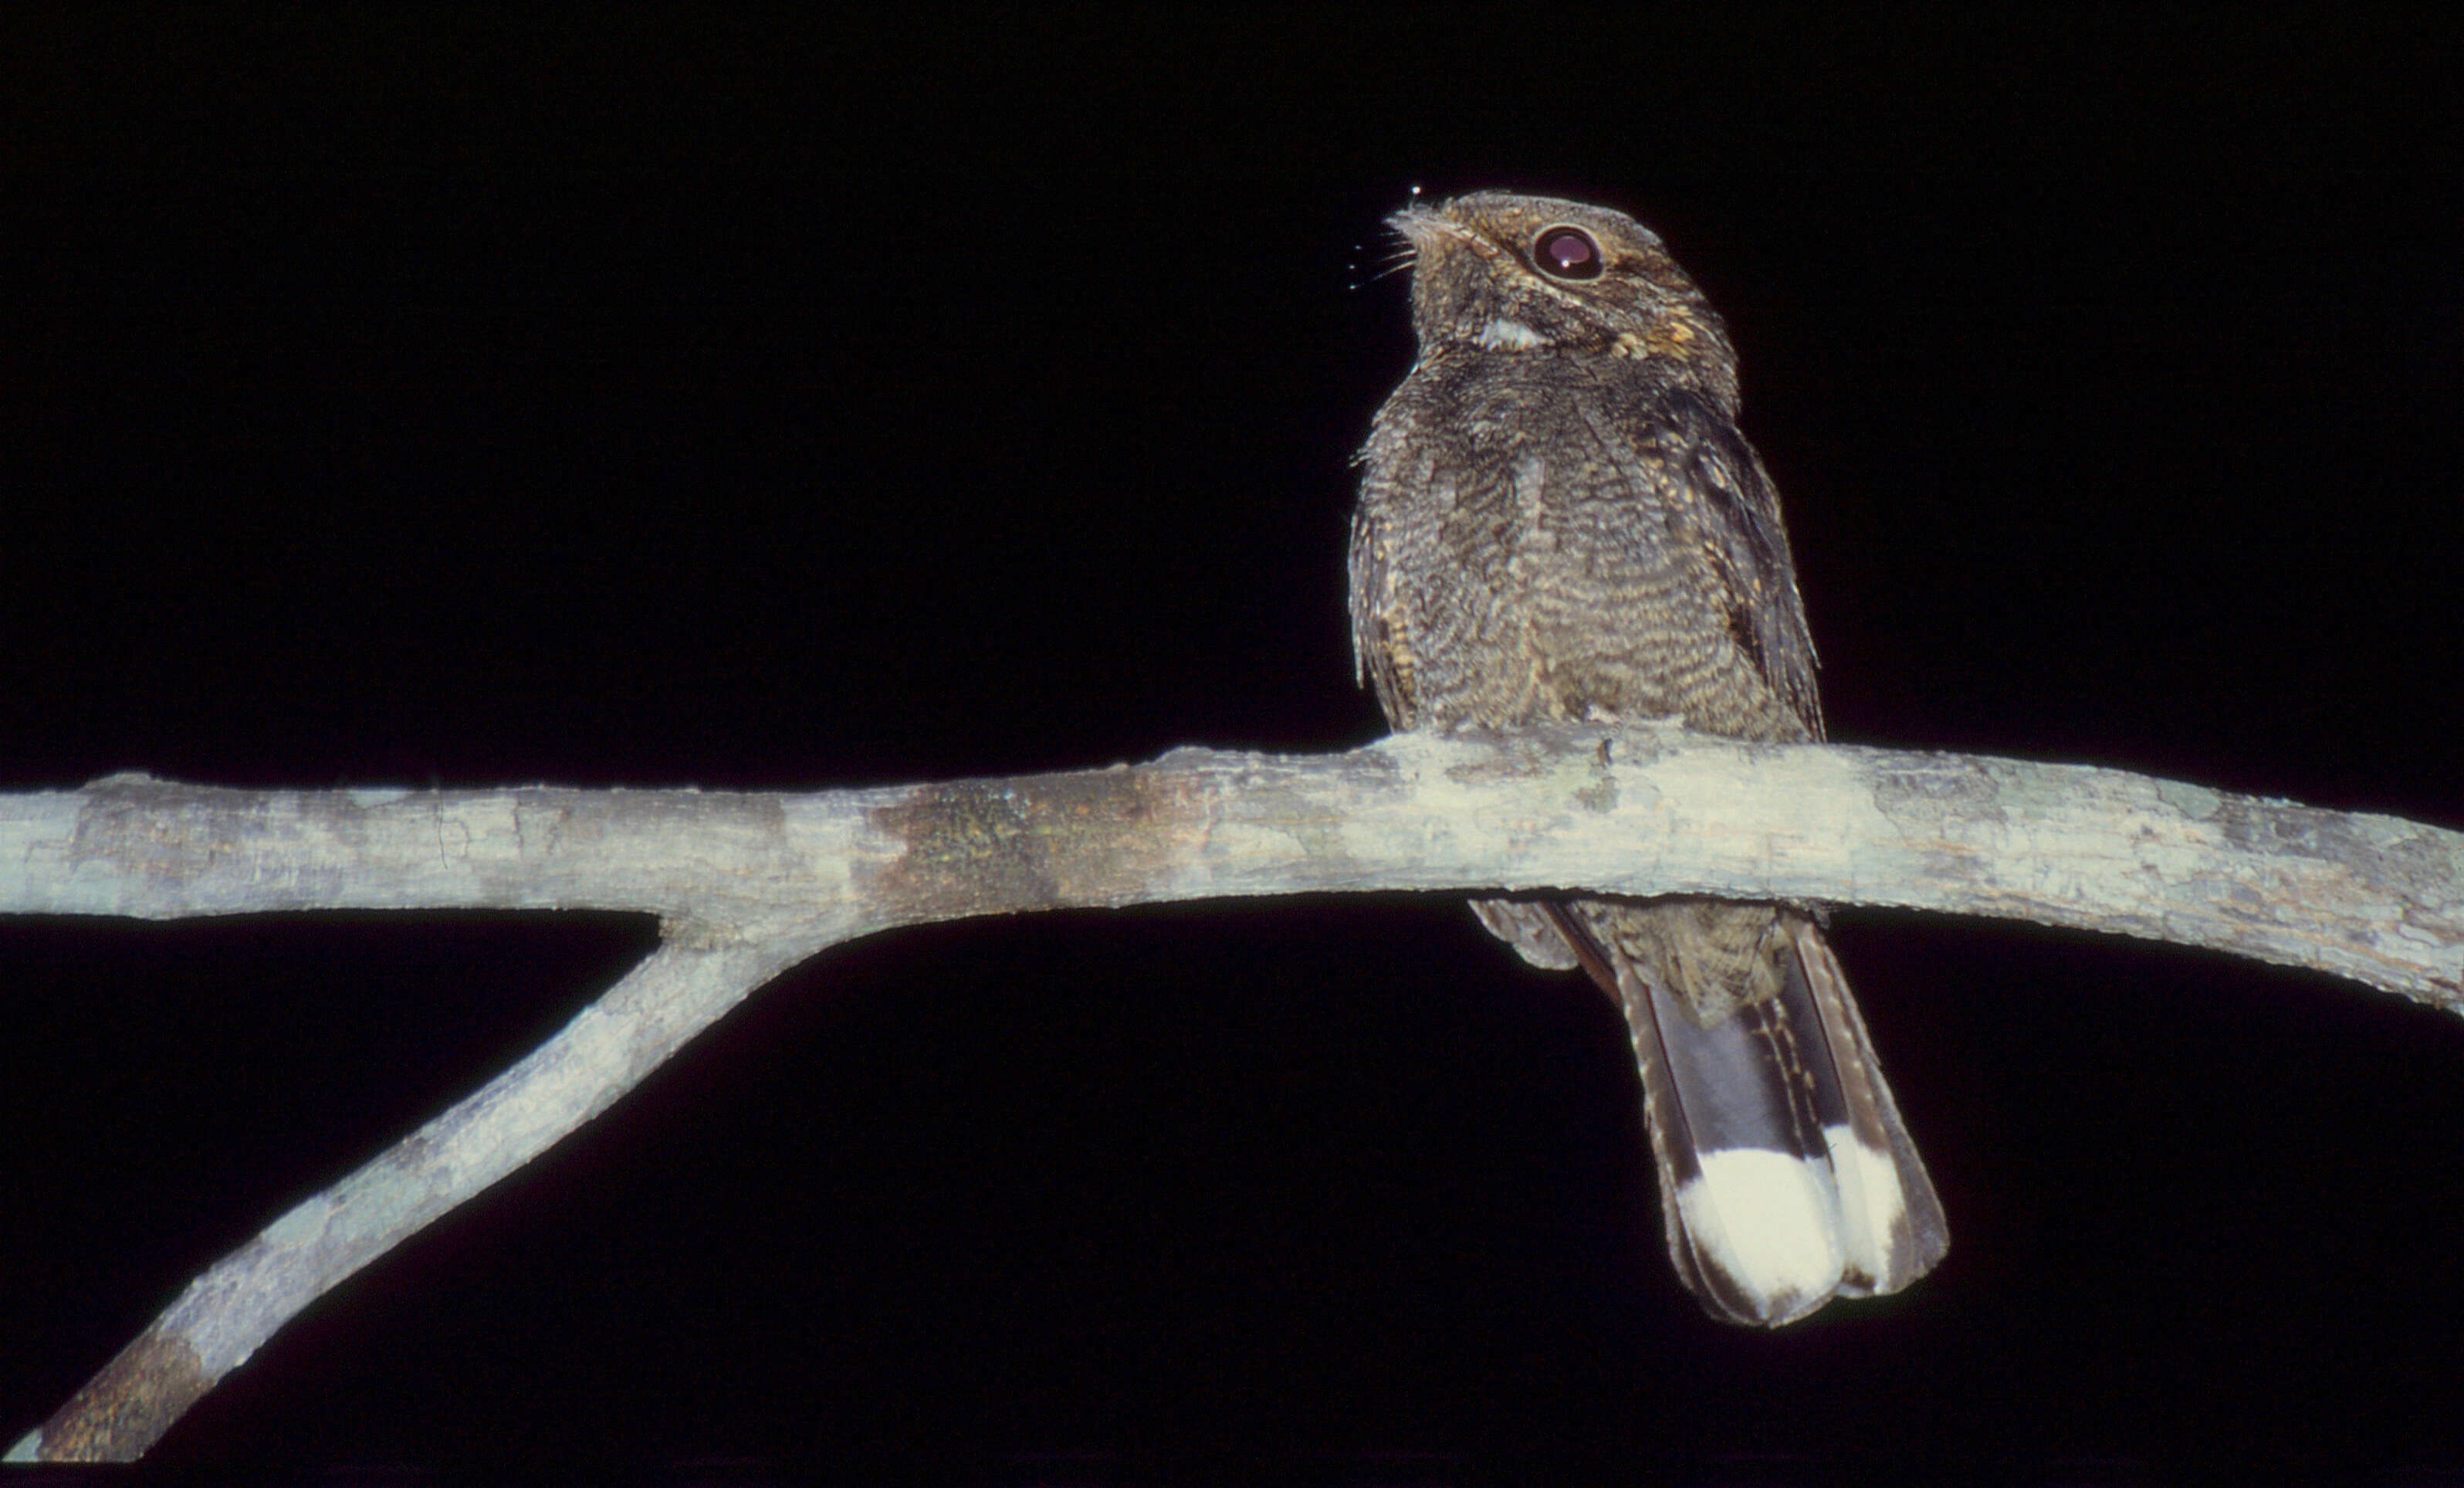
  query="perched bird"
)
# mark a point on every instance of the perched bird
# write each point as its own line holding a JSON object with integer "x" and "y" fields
{"x": 1559, "y": 520}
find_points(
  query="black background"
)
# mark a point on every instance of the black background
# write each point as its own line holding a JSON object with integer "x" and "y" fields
{"x": 681, "y": 401}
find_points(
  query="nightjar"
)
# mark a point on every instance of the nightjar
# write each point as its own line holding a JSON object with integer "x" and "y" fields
{"x": 1560, "y": 521}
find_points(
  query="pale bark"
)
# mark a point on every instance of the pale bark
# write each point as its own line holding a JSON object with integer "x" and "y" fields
{"x": 746, "y": 886}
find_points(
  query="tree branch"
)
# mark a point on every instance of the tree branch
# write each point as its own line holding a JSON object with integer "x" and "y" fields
{"x": 746, "y": 886}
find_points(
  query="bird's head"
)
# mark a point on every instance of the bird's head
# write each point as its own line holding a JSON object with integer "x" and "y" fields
{"x": 1536, "y": 274}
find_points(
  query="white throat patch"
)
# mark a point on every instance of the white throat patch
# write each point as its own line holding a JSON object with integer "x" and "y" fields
{"x": 1504, "y": 335}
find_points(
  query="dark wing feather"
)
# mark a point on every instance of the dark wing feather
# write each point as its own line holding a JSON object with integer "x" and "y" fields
{"x": 1379, "y": 657}
{"x": 1748, "y": 545}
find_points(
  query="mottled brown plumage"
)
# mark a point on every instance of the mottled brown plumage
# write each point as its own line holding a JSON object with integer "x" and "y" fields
{"x": 1560, "y": 521}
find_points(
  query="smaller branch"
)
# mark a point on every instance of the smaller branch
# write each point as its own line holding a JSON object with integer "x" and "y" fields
{"x": 239, "y": 1303}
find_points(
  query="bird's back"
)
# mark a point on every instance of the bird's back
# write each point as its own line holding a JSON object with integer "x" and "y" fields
{"x": 1546, "y": 538}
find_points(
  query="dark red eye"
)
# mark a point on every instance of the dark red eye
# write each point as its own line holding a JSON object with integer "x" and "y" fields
{"x": 1568, "y": 253}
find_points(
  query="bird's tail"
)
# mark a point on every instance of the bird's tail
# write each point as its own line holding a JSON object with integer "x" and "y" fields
{"x": 1786, "y": 1176}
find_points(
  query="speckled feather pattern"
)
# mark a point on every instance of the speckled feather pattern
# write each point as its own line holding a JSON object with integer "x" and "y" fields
{"x": 1576, "y": 528}
{"x": 1560, "y": 521}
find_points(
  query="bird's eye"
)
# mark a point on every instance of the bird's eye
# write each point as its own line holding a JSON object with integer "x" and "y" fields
{"x": 1567, "y": 252}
